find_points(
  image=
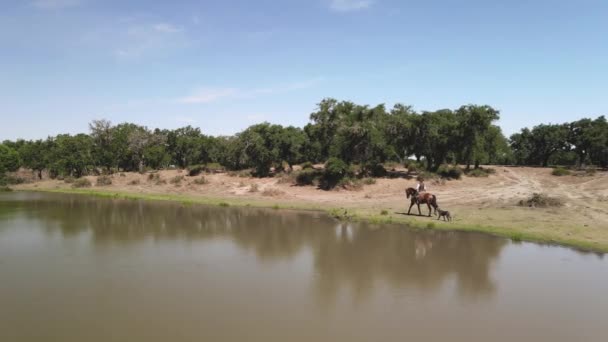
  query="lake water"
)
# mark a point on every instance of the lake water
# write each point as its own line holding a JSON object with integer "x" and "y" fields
{"x": 76, "y": 268}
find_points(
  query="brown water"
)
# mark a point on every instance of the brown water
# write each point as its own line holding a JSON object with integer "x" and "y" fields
{"x": 84, "y": 269}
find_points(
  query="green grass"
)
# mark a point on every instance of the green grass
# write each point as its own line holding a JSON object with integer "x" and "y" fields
{"x": 351, "y": 214}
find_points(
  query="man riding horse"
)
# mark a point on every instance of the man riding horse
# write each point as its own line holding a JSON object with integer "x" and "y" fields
{"x": 419, "y": 195}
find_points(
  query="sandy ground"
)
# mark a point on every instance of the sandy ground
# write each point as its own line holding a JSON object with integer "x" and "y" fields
{"x": 490, "y": 201}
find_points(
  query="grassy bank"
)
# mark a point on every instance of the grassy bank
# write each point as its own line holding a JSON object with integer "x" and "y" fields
{"x": 357, "y": 214}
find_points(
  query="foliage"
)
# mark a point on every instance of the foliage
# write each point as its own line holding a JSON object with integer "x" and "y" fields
{"x": 367, "y": 136}
{"x": 481, "y": 172}
{"x": 81, "y": 183}
{"x": 560, "y": 171}
{"x": 201, "y": 180}
{"x": 449, "y": 171}
{"x": 307, "y": 177}
{"x": 103, "y": 181}
{"x": 540, "y": 201}
{"x": 195, "y": 170}
{"x": 176, "y": 180}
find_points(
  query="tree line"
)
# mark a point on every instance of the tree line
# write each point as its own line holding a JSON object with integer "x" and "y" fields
{"x": 338, "y": 130}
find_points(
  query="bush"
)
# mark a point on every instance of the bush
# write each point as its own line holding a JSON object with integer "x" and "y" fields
{"x": 177, "y": 180}
{"x": 481, "y": 172}
{"x": 413, "y": 166}
{"x": 560, "y": 171}
{"x": 134, "y": 182}
{"x": 540, "y": 201}
{"x": 449, "y": 172}
{"x": 195, "y": 170}
{"x": 200, "y": 181}
{"x": 153, "y": 177}
{"x": 4, "y": 188}
{"x": 375, "y": 170}
{"x": 14, "y": 180}
{"x": 214, "y": 168}
{"x": 69, "y": 179}
{"x": 369, "y": 181}
{"x": 81, "y": 183}
{"x": 384, "y": 212}
{"x": 349, "y": 183}
{"x": 335, "y": 170}
{"x": 307, "y": 177}
{"x": 307, "y": 165}
{"x": 254, "y": 188}
{"x": 272, "y": 192}
{"x": 103, "y": 181}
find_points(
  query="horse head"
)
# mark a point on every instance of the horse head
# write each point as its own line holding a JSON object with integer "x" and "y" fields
{"x": 410, "y": 192}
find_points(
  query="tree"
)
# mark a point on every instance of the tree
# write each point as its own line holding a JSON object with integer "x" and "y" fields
{"x": 101, "y": 136}
{"x": 71, "y": 155}
{"x": 475, "y": 122}
{"x": 9, "y": 159}
{"x": 35, "y": 155}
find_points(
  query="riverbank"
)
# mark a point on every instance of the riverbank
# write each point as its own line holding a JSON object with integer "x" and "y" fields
{"x": 479, "y": 204}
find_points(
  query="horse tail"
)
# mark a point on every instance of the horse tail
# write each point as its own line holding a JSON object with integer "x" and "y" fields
{"x": 435, "y": 205}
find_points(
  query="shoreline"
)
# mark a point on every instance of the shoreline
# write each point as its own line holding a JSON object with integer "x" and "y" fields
{"x": 344, "y": 213}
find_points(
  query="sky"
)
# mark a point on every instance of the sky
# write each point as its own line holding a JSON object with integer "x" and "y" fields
{"x": 224, "y": 65}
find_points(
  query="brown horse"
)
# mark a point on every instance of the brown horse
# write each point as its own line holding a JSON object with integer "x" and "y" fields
{"x": 425, "y": 198}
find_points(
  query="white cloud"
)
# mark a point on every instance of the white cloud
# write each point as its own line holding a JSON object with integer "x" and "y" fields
{"x": 350, "y": 5}
{"x": 167, "y": 28}
{"x": 55, "y": 4}
{"x": 137, "y": 40}
{"x": 207, "y": 95}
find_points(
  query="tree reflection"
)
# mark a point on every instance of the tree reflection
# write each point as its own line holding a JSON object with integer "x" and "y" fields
{"x": 345, "y": 256}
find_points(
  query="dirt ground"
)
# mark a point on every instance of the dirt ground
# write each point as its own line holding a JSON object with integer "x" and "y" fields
{"x": 491, "y": 201}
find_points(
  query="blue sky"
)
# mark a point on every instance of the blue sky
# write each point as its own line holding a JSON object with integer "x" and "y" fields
{"x": 223, "y": 65}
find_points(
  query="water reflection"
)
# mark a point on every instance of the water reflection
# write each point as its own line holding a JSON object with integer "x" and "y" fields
{"x": 354, "y": 257}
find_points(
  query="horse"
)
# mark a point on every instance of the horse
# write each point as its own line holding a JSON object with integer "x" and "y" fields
{"x": 425, "y": 198}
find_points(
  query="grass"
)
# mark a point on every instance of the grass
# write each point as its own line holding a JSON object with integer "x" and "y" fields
{"x": 104, "y": 181}
{"x": 516, "y": 232}
{"x": 540, "y": 201}
{"x": 81, "y": 183}
{"x": 560, "y": 171}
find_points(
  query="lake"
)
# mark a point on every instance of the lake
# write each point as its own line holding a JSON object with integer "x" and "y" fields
{"x": 78, "y": 268}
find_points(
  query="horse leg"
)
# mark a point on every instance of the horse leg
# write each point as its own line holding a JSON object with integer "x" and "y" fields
{"x": 411, "y": 205}
{"x": 429, "y": 205}
{"x": 419, "y": 212}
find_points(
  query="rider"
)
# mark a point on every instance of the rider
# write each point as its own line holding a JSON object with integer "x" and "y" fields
{"x": 420, "y": 187}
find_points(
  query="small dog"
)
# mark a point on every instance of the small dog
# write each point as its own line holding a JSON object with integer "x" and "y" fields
{"x": 445, "y": 214}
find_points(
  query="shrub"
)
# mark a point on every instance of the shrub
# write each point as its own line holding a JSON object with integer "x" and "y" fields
{"x": 349, "y": 183}
{"x": 307, "y": 165}
{"x": 369, "y": 181}
{"x": 223, "y": 204}
{"x": 4, "y": 188}
{"x": 271, "y": 192}
{"x": 413, "y": 166}
{"x": 254, "y": 188}
{"x": 307, "y": 177}
{"x": 384, "y": 212}
{"x": 480, "y": 172}
{"x": 560, "y": 171}
{"x": 13, "y": 180}
{"x": 200, "y": 181}
{"x": 69, "y": 179}
{"x": 103, "y": 181}
{"x": 177, "y": 180}
{"x": 214, "y": 168}
{"x": 153, "y": 177}
{"x": 195, "y": 170}
{"x": 134, "y": 182}
{"x": 335, "y": 170}
{"x": 449, "y": 172}
{"x": 287, "y": 178}
{"x": 375, "y": 170}
{"x": 81, "y": 183}
{"x": 540, "y": 201}
{"x": 241, "y": 173}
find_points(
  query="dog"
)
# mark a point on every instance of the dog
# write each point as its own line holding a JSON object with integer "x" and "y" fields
{"x": 445, "y": 214}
